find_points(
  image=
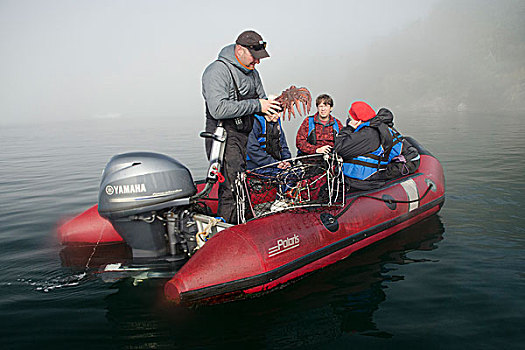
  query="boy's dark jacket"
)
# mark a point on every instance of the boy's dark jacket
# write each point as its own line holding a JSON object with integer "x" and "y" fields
{"x": 257, "y": 155}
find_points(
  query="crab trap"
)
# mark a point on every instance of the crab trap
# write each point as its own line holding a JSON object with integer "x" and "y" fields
{"x": 302, "y": 182}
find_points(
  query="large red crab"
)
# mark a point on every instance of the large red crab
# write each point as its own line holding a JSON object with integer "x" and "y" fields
{"x": 293, "y": 97}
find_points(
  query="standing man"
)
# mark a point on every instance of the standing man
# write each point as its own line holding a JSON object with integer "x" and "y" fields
{"x": 233, "y": 93}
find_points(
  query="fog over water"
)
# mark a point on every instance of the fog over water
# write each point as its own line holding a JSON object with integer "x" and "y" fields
{"x": 81, "y": 81}
{"x": 67, "y": 60}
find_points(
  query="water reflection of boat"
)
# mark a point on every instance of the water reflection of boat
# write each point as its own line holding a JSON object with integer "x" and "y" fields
{"x": 163, "y": 228}
{"x": 339, "y": 300}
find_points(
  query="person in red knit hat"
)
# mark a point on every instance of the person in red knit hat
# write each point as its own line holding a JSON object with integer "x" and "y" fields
{"x": 372, "y": 150}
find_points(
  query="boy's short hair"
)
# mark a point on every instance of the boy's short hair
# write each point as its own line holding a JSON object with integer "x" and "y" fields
{"x": 324, "y": 98}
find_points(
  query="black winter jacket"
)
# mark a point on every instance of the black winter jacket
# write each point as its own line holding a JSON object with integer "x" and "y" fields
{"x": 350, "y": 144}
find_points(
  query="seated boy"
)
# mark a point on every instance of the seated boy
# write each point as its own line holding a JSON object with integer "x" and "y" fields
{"x": 267, "y": 145}
{"x": 317, "y": 132}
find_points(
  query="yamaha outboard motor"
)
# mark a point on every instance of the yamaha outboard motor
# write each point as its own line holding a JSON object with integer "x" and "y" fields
{"x": 135, "y": 189}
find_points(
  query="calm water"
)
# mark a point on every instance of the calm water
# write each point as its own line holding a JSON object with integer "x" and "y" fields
{"x": 454, "y": 281}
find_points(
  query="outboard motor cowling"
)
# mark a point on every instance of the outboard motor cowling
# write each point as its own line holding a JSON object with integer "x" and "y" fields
{"x": 134, "y": 188}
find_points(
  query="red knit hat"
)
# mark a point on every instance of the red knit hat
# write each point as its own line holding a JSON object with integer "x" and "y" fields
{"x": 361, "y": 111}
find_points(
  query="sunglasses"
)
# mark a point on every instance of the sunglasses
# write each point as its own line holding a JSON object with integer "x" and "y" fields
{"x": 258, "y": 47}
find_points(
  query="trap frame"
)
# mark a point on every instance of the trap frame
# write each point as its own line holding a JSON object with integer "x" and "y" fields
{"x": 309, "y": 181}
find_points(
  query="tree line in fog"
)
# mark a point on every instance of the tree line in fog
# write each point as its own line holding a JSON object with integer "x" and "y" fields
{"x": 468, "y": 55}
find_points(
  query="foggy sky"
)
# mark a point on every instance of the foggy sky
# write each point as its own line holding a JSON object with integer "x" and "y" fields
{"x": 65, "y": 60}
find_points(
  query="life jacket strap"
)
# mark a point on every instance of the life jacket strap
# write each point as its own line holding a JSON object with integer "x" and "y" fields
{"x": 378, "y": 166}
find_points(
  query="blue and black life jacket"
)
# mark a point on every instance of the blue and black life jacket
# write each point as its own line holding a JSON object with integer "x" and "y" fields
{"x": 397, "y": 144}
{"x": 270, "y": 138}
{"x": 366, "y": 165}
{"x": 312, "y": 136}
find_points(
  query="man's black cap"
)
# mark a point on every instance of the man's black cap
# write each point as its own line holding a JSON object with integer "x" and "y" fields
{"x": 254, "y": 43}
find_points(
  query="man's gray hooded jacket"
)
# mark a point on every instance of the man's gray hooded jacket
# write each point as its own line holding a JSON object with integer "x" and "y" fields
{"x": 219, "y": 91}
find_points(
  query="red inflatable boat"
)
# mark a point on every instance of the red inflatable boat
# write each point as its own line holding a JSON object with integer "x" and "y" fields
{"x": 261, "y": 254}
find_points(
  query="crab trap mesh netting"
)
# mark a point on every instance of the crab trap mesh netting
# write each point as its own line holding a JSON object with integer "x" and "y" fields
{"x": 309, "y": 181}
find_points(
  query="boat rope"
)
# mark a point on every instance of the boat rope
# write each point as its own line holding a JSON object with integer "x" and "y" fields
{"x": 386, "y": 200}
{"x": 245, "y": 187}
{"x": 95, "y": 246}
{"x": 202, "y": 237}
{"x": 335, "y": 162}
{"x": 240, "y": 197}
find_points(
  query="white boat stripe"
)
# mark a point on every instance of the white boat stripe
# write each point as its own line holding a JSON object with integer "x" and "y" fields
{"x": 410, "y": 188}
